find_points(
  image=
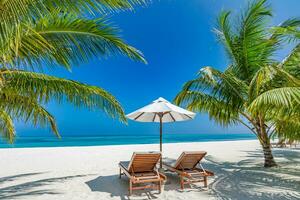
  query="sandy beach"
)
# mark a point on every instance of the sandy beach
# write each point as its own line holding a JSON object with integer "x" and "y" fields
{"x": 92, "y": 173}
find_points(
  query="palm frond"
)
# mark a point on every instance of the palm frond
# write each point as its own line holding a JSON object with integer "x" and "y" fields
{"x": 253, "y": 46}
{"x": 63, "y": 39}
{"x": 219, "y": 94}
{"x": 44, "y": 88}
{"x": 7, "y": 128}
{"x": 284, "y": 97}
{"x": 13, "y": 11}
{"x": 225, "y": 35}
{"x": 248, "y": 45}
{"x": 287, "y": 123}
{"x": 220, "y": 85}
{"x": 100, "y": 6}
{"x": 292, "y": 62}
{"x": 218, "y": 110}
{"x": 270, "y": 77}
{"x": 288, "y": 30}
{"x": 26, "y": 109}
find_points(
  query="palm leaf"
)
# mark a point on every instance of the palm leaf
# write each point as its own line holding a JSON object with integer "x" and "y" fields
{"x": 63, "y": 39}
{"x": 270, "y": 77}
{"x": 13, "y": 11}
{"x": 287, "y": 123}
{"x": 292, "y": 62}
{"x": 248, "y": 45}
{"x": 44, "y": 88}
{"x": 225, "y": 35}
{"x": 284, "y": 97}
{"x": 7, "y": 126}
{"x": 288, "y": 30}
{"x": 26, "y": 109}
{"x": 223, "y": 113}
{"x": 220, "y": 85}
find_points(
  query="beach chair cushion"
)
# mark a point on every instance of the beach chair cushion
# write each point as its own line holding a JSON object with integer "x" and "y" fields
{"x": 169, "y": 161}
{"x": 124, "y": 164}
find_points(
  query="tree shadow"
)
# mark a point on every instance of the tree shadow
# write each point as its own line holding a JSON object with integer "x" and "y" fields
{"x": 248, "y": 180}
{"x": 31, "y": 188}
{"x": 15, "y": 177}
{"x": 288, "y": 154}
{"x": 117, "y": 187}
{"x": 291, "y": 155}
{"x": 173, "y": 184}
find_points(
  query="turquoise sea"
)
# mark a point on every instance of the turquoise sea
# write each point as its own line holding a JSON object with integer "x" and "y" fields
{"x": 102, "y": 140}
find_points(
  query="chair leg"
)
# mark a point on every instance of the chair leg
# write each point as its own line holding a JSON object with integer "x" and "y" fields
{"x": 181, "y": 182}
{"x": 120, "y": 173}
{"x": 159, "y": 187}
{"x": 130, "y": 187}
{"x": 205, "y": 181}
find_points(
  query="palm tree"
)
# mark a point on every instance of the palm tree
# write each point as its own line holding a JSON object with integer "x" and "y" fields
{"x": 37, "y": 34}
{"x": 281, "y": 97}
{"x": 254, "y": 90}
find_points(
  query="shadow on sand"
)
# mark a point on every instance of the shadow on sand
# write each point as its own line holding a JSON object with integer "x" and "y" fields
{"x": 245, "y": 180}
{"x": 28, "y": 189}
{"x": 118, "y": 188}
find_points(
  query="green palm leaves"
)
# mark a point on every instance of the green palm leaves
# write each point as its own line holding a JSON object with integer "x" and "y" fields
{"x": 24, "y": 94}
{"x": 219, "y": 94}
{"x": 44, "y": 88}
{"x": 14, "y": 11}
{"x": 255, "y": 89}
{"x": 61, "y": 39}
{"x": 42, "y": 33}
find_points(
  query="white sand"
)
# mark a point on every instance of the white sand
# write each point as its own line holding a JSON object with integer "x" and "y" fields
{"x": 92, "y": 173}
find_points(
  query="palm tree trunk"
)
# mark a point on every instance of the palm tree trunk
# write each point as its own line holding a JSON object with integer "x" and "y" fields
{"x": 266, "y": 145}
{"x": 269, "y": 159}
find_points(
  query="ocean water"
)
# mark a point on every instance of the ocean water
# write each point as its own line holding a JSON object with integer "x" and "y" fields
{"x": 22, "y": 142}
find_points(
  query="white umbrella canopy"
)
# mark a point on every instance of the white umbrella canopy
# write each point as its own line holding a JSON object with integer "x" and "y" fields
{"x": 161, "y": 111}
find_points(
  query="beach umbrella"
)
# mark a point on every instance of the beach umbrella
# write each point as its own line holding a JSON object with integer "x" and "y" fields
{"x": 161, "y": 111}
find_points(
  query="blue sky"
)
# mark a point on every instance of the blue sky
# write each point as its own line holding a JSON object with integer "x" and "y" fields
{"x": 177, "y": 40}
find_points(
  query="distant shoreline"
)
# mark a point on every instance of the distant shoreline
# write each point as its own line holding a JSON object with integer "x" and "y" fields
{"x": 52, "y": 142}
{"x": 131, "y": 145}
{"x": 122, "y": 145}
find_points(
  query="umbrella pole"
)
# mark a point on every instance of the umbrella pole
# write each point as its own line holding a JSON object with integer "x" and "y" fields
{"x": 160, "y": 137}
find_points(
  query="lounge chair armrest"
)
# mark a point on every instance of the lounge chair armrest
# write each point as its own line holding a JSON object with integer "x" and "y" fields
{"x": 185, "y": 174}
{"x": 209, "y": 173}
{"x": 162, "y": 176}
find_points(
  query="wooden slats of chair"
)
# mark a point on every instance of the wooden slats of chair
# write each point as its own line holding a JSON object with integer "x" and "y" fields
{"x": 188, "y": 160}
{"x": 141, "y": 162}
{"x": 186, "y": 168}
{"x": 142, "y": 169}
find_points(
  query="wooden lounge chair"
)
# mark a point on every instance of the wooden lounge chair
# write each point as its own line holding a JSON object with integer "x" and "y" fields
{"x": 141, "y": 169}
{"x": 188, "y": 167}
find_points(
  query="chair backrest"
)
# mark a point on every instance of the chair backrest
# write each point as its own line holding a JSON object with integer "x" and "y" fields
{"x": 143, "y": 161}
{"x": 189, "y": 159}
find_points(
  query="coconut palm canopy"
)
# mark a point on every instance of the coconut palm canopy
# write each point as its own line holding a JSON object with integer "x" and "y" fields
{"x": 39, "y": 34}
{"x": 255, "y": 90}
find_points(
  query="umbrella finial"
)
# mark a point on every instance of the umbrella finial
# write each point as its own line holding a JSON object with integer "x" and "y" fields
{"x": 160, "y": 99}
